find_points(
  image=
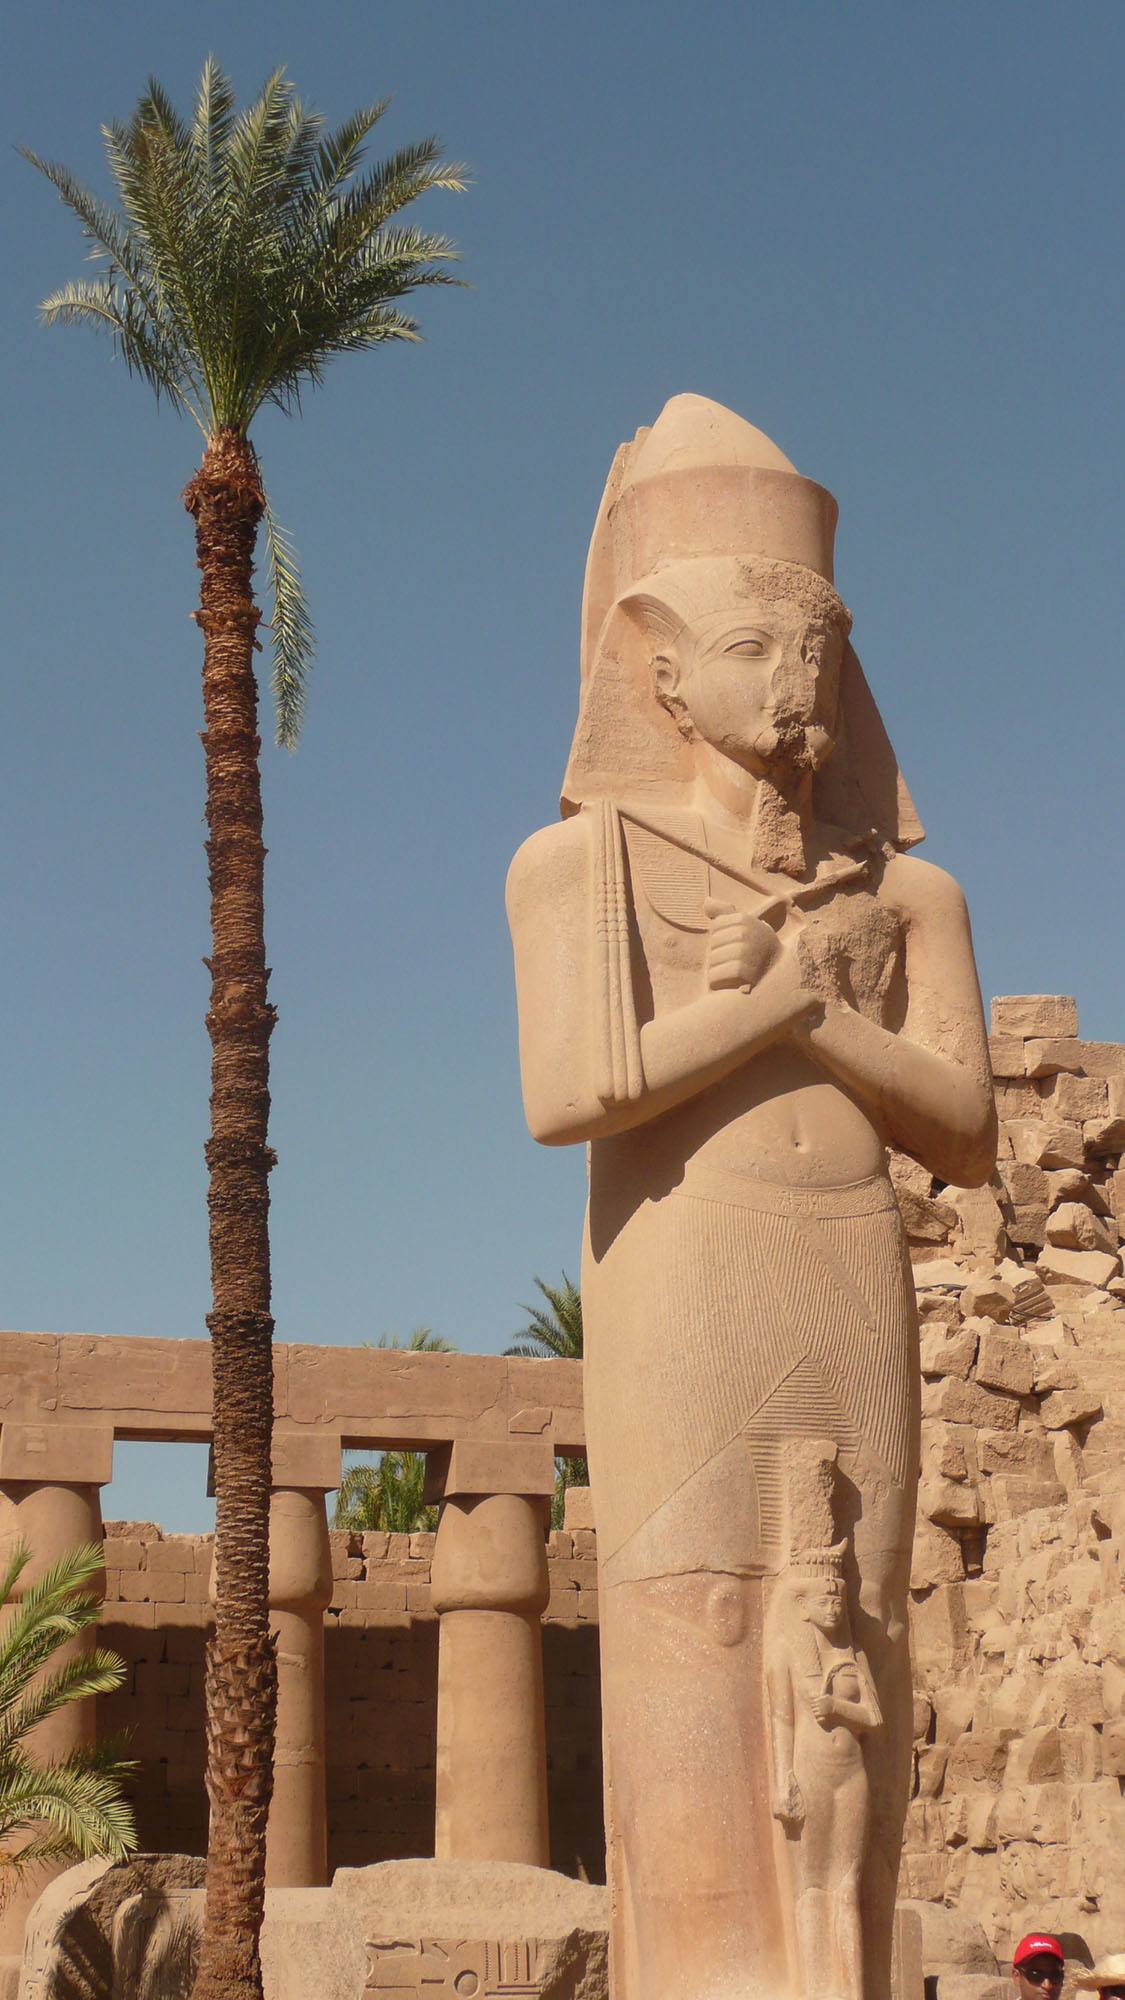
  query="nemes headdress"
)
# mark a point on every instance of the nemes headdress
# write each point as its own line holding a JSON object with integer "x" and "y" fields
{"x": 704, "y": 483}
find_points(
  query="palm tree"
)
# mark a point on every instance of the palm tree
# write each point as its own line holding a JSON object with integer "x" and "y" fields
{"x": 390, "y": 1494}
{"x": 556, "y": 1334}
{"x": 71, "y": 1809}
{"x": 249, "y": 251}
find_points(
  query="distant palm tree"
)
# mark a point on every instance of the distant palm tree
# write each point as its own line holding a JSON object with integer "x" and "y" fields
{"x": 248, "y": 253}
{"x": 72, "y": 1809}
{"x": 556, "y": 1335}
{"x": 389, "y": 1494}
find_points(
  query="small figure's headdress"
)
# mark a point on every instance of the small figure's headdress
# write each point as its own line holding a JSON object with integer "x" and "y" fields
{"x": 810, "y": 1490}
{"x": 703, "y": 483}
{"x": 819, "y": 1562}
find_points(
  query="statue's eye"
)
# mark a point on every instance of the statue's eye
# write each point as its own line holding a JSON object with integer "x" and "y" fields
{"x": 747, "y": 649}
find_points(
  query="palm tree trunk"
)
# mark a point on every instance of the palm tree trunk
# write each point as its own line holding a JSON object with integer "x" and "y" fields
{"x": 226, "y": 500}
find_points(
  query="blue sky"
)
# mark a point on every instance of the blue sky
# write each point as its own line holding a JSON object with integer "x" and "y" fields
{"x": 887, "y": 234}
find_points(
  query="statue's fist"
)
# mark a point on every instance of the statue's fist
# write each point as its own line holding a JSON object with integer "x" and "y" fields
{"x": 788, "y": 1805}
{"x": 740, "y": 947}
{"x": 821, "y": 1705}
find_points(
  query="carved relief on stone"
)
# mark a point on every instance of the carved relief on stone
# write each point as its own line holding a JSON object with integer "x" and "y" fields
{"x": 455, "y": 1969}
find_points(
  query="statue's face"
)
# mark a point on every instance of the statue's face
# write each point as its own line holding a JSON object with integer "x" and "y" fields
{"x": 759, "y": 682}
{"x": 824, "y": 1604}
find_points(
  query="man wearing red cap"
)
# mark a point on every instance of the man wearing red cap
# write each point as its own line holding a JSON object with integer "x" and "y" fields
{"x": 1038, "y": 1967}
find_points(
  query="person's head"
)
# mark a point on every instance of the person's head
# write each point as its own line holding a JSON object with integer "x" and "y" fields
{"x": 1107, "y": 1979}
{"x": 1038, "y": 1967}
{"x": 746, "y": 656}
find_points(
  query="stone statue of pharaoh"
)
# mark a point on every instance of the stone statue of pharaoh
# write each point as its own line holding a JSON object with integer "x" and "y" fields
{"x": 738, "y": 989}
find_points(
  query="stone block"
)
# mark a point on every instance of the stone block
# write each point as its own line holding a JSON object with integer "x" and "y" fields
{"x": 1025, "y": 1452}
{"x": 924, "y": 1219}
{"x": 1077, "y": 1267}
{"x": 175, "y": 1555}
{"x": 56, "y": 1453}
{"x": 987, "y": 1298}
{"x": 578, "y": 1509}
{"x": 1075, "y": 1098}
{"x": 977, "y": 1758}
{"x": 950, "y": 1503}
{"x": 1027, "y": 1014}
{"x": 939, "y": 1640}
{"x": 936, "y": 1556}
{"x": 1045, "y": 1057}
{"x": 907, "y": 1971}
{"x": 1027, "y": 1225}
{"x": 952, "y": 1941}
{"x": 1017, "y": 1097}
{"x": 943, "y": 1352}
{"x": 483, "y": 1466}
{"x": 306, "y": 1459}
{"x": 943, "y": 1451}
{"x": 1004, "y": 1363}
{"x": 1042, "y": 1142}
{"x": 1011, "y": 1494}
{"x": 1104, "y": 1135}
{"x": 980, "y": 1223}
{"x": 1073, "y": 1226}
{"x": 968, "y": 1403}
{"x": 1005, "y": 1053}
{"x": 1025, "y": 1184}
{"x": 1065, "y": 1407}
{"x": 937, "y": 1275}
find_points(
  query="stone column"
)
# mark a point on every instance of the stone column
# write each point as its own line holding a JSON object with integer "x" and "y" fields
{"x": 490, "y": 1587}
{"x": 50, "y": 1481}
{"x": 304, "y": 1469}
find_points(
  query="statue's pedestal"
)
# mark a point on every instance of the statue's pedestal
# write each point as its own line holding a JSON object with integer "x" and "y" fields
{"x": 420, "y": 1930}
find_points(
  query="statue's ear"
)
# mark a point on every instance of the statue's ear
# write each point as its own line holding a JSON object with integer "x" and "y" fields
{"x": 661, "y": 627}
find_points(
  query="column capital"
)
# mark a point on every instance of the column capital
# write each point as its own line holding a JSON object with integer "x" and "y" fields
{"x": 470, "y": 1468}
{"x": 52, "y": 1454}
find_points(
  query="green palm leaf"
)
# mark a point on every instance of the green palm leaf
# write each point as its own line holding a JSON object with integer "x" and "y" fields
{"x": 71, "y": 1808}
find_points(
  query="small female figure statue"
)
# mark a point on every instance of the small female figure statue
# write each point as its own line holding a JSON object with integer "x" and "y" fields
{"x": 822, "y": 1701}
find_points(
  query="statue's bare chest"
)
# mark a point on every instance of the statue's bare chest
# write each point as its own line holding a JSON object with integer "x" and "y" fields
{"x": 850, "y": 944}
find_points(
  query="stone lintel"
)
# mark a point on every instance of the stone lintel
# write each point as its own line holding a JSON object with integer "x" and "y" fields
{"x": 54, "y": 1454}
{"x": 469, "y": 1468}
{"x": 369, "y": 1399}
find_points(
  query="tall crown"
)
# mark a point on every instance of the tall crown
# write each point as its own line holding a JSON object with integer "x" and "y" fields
{"x": 700, "y": 482}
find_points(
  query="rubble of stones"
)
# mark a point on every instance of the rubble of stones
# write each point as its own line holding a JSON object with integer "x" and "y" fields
{"x": 1018, "y": 1609}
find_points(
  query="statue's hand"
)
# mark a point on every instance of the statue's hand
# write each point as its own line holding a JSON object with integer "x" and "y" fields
{"x": 788, "y": 1805}
{"x": 823, "y": 1707}
{"x": 740, "y": 947}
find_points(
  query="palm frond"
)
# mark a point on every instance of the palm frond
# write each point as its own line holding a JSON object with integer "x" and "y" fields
{"x": 141, "y": 342}
{"x": 85, "y": 1806}
{"x": 557, "y": 1331}
{"x": 293, "y": 640}
{"x": 96, "y": 1672}
{"x": 214, "y": 118}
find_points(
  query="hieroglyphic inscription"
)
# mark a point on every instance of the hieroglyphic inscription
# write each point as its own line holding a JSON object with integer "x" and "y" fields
{"x": 460, "y": 1968}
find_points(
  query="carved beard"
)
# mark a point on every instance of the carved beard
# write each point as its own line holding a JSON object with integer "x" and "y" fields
{"x": 792, "y": 751}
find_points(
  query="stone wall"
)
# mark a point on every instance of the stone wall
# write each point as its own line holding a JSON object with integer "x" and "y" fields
{"x": 1018, "y": 1614}
{"x": 381, "y": 1675}
{"x": 1018, "y": 1611}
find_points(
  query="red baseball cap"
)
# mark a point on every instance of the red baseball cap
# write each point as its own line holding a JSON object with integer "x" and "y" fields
{"x": 1035, "y": 1945}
